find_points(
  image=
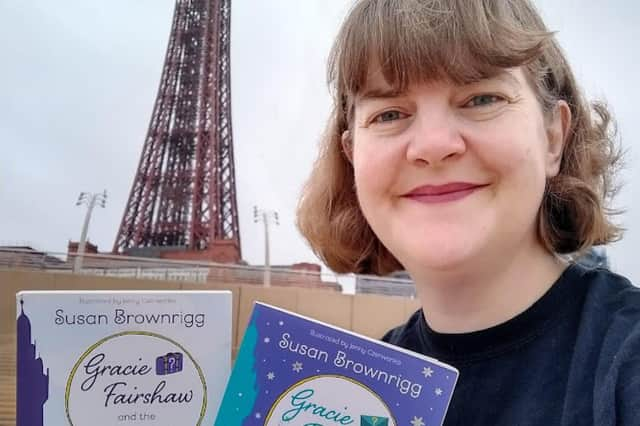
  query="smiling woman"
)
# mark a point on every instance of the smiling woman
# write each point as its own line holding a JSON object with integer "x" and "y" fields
{"x": 453, "y": 152}
{"x": 461, "y": 149}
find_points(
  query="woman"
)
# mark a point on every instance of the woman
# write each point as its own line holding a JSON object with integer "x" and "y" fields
{"x": 462, "y": 150}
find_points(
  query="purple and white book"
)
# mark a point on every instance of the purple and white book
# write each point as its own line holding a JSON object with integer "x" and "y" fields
{"x": 155, "y": 358}
{"x": 292, "y": 370}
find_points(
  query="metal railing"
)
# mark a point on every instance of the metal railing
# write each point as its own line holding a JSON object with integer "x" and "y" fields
{"x": 201, "y": 272}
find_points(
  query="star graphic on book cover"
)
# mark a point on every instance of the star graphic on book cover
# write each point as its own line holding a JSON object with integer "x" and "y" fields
{"x": 427, "y": 372}
{"x": 438, "y": 391}
{"x": 297, "y": 366}
{"x": 258, "y": 415}
{"x": 267, "y": 340}
{"x": 281, "y": 323}
{"x": 417, "y": 421}
{"x": 270, "y": 375}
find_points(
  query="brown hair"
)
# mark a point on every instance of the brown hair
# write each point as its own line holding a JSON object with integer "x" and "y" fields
{"x": 414, "y": 41}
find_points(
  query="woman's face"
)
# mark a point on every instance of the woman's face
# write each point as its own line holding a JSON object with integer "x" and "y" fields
{"x": 449, "y": 174}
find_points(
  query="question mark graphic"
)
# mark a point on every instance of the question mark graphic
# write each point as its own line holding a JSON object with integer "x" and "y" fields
{"x": 172, "y": 363}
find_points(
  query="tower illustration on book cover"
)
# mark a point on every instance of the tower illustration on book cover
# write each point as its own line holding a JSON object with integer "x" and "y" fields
{"x": 32, "y": 383}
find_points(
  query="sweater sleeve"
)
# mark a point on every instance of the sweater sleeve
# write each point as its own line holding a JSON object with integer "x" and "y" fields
{"x": 627, "y": 387}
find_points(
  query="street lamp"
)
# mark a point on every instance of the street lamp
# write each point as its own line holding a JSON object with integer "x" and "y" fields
{"x": 90, "y": 199}
{"x": 265, "y": 216}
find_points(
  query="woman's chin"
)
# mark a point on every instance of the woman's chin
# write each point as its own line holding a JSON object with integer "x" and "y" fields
{"x": 441, "y": 259}
{"x": 441, "y": 264}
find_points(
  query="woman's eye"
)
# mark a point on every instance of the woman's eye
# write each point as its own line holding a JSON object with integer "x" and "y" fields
{"x": 388, "y": 116}
{"x": 483, "y": 100}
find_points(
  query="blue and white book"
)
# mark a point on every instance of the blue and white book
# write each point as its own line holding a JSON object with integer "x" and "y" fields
{"x": 293, "y": 370}
{"x": 103, "y": 358}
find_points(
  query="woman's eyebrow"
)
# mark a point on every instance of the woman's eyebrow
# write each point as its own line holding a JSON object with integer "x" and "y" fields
{"x": 503, "y": 77}
{"x": 377, "y": 93}
{"x": 380, "y": 93}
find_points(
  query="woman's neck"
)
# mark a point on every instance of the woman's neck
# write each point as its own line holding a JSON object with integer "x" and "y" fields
{"x": 489, "y": 293}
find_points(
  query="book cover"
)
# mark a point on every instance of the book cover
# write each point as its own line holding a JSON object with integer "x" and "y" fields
{"x": 293, "y": 370}
{"x": 121, "y": 357}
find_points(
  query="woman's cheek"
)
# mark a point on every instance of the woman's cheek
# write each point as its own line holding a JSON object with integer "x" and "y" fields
{"x": 374, "y": 170}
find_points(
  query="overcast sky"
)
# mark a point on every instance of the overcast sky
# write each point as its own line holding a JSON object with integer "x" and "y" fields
{"x": 78, "y": 80}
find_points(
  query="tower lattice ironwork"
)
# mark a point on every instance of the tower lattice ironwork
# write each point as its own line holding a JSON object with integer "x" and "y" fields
{"x": 183, "y": 199}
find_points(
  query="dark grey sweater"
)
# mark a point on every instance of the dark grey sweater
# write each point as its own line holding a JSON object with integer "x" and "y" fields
{"x": 573, "y": 358}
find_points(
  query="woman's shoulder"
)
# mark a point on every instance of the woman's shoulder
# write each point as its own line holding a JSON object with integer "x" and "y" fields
{"x": 611, "y": 308}
{"x": 610, "y": 332}
{"x": 406, "y": 335}
{"x": 610, "y": 318}
{"x": 609, "y": 293}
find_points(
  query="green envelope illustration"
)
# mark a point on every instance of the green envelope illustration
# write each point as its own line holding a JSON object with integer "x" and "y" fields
{"x": 374, "y": 421}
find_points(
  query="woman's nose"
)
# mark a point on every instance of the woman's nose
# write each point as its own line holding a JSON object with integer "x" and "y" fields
{"x": 435, "y": 139}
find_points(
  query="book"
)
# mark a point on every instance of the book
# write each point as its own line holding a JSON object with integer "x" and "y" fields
{"x": 98, "y": 358}
{"x": 292, "y": 370}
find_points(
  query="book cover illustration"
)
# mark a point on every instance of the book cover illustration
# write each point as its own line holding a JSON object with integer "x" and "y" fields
{"x": 122, "y": 357}
{"x": 292, "y": 370}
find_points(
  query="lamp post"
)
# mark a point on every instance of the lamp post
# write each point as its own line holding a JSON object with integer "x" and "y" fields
{"x": 265, "y": 216}
{"x": 90, "y": 199}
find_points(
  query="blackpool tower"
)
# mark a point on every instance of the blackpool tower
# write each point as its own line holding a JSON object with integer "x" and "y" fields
{"x": 182, "y": 203}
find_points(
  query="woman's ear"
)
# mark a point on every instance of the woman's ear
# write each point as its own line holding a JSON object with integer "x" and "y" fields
{"x": 347, "y": 145}
{"x": 557, "y": 135}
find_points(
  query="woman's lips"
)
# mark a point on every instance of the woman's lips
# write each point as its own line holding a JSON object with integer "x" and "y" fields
{"x": 443, "y": 193}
